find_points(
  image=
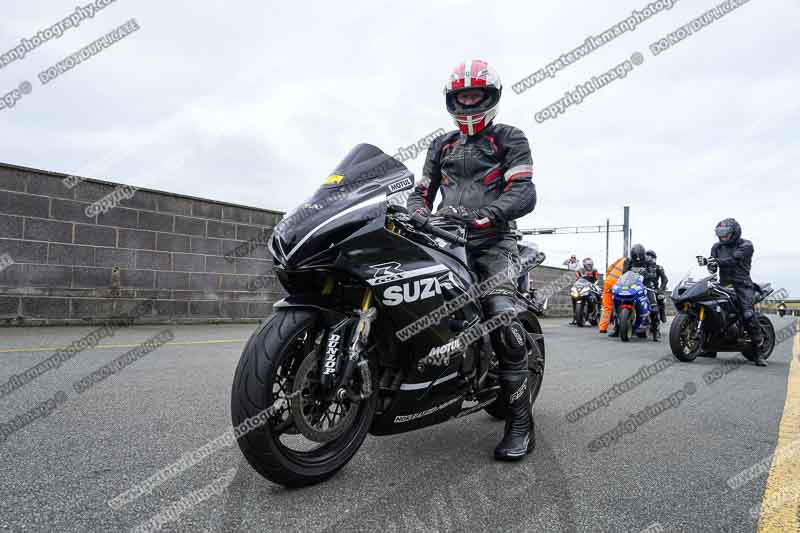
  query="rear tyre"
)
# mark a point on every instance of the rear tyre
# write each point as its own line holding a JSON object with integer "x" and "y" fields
{"x": 682, "y": 339}
{"x": 271, "y": 373}
{"x": 536, "y": 360}
{"x": 625, "y": 325}
{"x": 766, "y": 348}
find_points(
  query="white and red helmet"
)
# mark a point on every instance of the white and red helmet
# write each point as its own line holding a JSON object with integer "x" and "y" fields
{"x": 473, "y": 74}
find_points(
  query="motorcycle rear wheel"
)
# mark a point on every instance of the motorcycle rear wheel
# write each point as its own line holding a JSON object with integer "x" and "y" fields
{"x": 536, "y": 363}
{"x": 768, "y": 332}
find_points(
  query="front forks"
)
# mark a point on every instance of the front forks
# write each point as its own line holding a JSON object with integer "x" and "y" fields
{"x": 366, "y": 315}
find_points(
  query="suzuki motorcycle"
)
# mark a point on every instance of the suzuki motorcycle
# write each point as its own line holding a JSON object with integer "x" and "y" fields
{"x": 381, "y": 331}
{"x": 633, "y": 306}
{"x": 586, "y": 296}
{"x": 709, "y": 319}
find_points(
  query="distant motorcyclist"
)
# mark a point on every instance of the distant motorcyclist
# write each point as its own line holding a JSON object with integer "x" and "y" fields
{"x": 484, "y": 173}
{"x": 587, "y": 272}
{"x": 656, "y": 278}
{"x": 782, "y": 308}
{"x": 734, "y": 256}
{"x": 636, "y": 261}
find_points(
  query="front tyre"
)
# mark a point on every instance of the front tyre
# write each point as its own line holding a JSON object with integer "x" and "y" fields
{"x": 580, "y": 314}
{"x": 271, "y": 374}
{"x": 625, "y": 324}
{"x": 683, "y": 337}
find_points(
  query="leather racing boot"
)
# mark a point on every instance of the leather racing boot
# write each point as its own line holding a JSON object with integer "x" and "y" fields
{"x": 519, "y": 438}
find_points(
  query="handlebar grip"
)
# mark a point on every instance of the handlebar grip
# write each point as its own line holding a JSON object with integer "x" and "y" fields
{"x": 424, "y": 223}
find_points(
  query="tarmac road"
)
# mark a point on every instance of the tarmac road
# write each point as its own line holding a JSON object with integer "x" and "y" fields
{"x": 667, "y": 471}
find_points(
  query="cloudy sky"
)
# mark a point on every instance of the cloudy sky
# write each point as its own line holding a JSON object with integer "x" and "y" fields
{"x": 255, "y": 102}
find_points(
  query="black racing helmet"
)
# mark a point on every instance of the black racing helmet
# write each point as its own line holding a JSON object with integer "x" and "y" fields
{"x": 651, "y": 256}
{"x": 637, "y": 253}
{"x": 728, "y": 231}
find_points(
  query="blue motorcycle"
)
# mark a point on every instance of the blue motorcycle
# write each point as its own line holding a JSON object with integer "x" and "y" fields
{"x": 632, "y": 306}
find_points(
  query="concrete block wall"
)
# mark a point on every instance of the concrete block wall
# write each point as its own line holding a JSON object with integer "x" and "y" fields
{"x": 559, "y": 304}
{"x": 70, "y": 268}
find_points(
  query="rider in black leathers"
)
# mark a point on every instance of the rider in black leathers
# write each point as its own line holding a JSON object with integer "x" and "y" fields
{"x": 636, "y": 261}
{"x": 656, "y": 279}
{"x": 484, "y": 173}
{"x": 734, "y": 256}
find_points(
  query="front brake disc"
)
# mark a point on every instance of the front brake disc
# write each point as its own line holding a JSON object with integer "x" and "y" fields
{"x": 318, "y": 419}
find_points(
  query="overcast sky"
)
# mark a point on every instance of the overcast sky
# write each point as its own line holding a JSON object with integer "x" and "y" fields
{"x": 255, "y": 102}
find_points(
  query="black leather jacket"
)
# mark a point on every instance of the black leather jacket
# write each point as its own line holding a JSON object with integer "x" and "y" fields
{"x": 655, "y": 277}
{"x": 490, "y": 170}
{"x": 734, "y": 261}
{"x": 638, "y": 266}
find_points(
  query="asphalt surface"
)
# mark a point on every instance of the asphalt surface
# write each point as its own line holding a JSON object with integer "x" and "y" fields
{"x": 57, "y": 473}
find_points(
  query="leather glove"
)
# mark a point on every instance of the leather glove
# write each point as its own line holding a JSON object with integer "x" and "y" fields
{"x": 476, "y": 218}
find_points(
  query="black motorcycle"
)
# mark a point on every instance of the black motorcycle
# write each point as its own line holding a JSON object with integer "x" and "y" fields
{"x": 380, "y": 333}
{"x": 709, "y": 319}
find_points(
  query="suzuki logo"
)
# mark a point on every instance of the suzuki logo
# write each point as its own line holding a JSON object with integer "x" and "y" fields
{"x": 411, "y": 291}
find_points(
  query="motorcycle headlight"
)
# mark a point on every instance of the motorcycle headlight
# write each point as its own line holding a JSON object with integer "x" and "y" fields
{"x": 573, "y": 293}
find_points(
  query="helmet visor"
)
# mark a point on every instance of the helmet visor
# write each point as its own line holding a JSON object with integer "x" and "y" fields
{"x": 724, "y": 232}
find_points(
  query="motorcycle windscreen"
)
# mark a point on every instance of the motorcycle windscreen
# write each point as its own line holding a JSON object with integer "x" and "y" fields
{"x": 693, "y": 285}
{"x": 352, "y": 195}
{"x": 629, "y": 280}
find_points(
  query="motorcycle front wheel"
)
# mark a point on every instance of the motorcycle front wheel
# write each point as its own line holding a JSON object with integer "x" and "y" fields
{"x": 682, "y": 337}
{"x": 306, "y": 438}
{"x": 625, "y": 325}
{"x": 580, "y": 314}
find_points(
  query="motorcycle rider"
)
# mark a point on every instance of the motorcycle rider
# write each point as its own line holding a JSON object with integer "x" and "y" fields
{"x": 588, "y": 272}
{"x": 734, "y": 256}
{"x": 484, "y": 171}
{"x": 636, "y": 261}
{"x": 782, "y": 308}
{"x": 656, "y": 278}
